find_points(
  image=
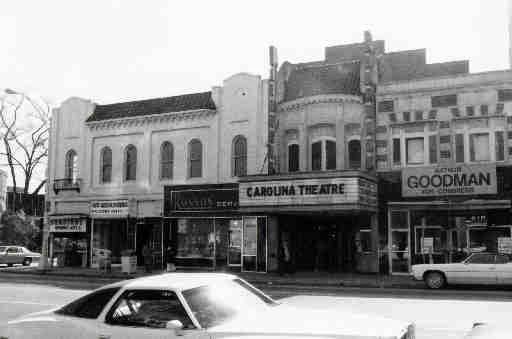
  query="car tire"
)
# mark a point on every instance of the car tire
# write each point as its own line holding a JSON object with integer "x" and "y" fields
{"x": 435, "y": 280}
{"x": 27, "y": 261}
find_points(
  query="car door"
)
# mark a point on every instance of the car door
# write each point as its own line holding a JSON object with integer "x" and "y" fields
{"x": 13, "y": 256}
{"x": 479, "y": 268}
{"x": 504, "y": 269}
{"x": 145, "y": 314}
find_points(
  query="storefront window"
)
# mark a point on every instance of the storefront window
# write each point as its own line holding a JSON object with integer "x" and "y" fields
{"x": 486, "y": 239}
{"x": 429, "y": 239}
{"x": 110, "y": 237}
{"x": 196, "y": 240}
{"x": 364, "y": 241}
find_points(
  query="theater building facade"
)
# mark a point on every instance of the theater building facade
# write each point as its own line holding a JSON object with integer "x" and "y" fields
{"x": 365, "y": 161}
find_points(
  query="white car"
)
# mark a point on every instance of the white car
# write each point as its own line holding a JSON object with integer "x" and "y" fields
{"x": 195, "y": 305}
{"x": 489, "y": 331}
{"x": 478, "y": 268}
{"x": 11, "y": 255}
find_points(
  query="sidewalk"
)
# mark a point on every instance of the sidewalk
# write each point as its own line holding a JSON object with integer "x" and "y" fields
{"x": 299, "y": 279}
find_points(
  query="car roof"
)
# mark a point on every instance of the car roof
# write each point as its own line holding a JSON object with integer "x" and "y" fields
{"x": 177, "y": 281}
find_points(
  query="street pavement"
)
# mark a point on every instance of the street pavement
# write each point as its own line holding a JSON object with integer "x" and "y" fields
{"x": 445, "y": 314}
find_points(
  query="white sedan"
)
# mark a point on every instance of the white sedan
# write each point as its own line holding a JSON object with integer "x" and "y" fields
{"x": 478, "y": 268}
{"x": 11, "y": 255}
{"x": 188, "y": 305}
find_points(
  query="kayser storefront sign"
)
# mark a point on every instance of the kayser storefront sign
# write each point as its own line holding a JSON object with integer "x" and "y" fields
{"x": 449, "y": 180}
{"x": 199, "y": 198}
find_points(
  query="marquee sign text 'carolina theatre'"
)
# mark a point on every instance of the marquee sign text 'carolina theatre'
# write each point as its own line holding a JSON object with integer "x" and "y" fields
{"x": 449, "y": 180}
{"x": 307, "y": 192}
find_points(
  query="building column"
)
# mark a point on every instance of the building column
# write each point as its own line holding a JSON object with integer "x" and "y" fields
{"x": 340, "y": 138}
{"x": 374, "y": 223}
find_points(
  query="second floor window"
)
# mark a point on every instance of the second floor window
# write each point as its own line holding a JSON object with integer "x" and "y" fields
{"x": 415, "y": 150}
{"x": 479, "y": 147}
{"x": 323, "y": 155}
{"x": 239, "y": 161}
{"x": 293, "y": 158}
{"x": 354, "y": 154}
{"x": 195, "y": 158}
{"x": 166, "y": 160}
{"x": 106, "y": 165}
{"x": 130, "y": 171}
{"x": 71, "y": 166}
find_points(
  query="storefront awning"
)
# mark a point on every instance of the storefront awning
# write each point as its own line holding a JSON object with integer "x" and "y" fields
{"x": 444, "y": 205}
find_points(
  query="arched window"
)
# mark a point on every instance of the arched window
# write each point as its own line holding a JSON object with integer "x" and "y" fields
{"x": 239, "y": 154}
{"x": 130, "y": 167}
{"x": 195, "y": 159}
{"x": 106, "y": 165}
{"x": 323, "y": 155}
{"x": 354, "y": 154}
{"x": 293, "y": 157}
{"x": 71, "y": 170}
{"x": 166, "y": 160}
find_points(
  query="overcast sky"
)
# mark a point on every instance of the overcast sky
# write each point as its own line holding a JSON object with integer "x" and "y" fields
{"x": 112, "y": 51}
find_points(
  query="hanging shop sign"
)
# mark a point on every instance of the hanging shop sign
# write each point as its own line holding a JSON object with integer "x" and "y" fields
{"x": 67, "y": 225}
{"x": 110, "y": 209}
{"x": 449, "y": 180}
{"x": 308, "y": 192}
{"x": 197, "y": 198}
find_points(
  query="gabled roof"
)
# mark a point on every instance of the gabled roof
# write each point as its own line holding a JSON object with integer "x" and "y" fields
{"x": 187, "y": 102}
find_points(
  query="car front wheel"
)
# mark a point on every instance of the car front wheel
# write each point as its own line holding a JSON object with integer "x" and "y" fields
{"x": 435, "y": 280}
{"x": 27, "y": 261}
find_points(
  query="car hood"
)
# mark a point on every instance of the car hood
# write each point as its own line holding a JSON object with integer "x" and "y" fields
{"x": 287, "y": 320}
{"x": 44, "y": 316}
{"x": 436, "y": 266}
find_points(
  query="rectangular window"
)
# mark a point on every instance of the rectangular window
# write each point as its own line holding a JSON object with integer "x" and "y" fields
{"x": 432, "y": 150}
{"x": 499, "y": 108}
{"x": 470, "y": 111}
{"x": 386, "y": 106}
{"x": 407, "y": 116}
{"x": 455, "y": 112}
{"x": 316, "y": 156}
{"x": 293, "y": 158}
{"x": 396, "y": 151}
{"x": 459, "y": 148}
{"x": 418, "y": 115}
{"x": 445, "y": 139}
{"x": 432, "y": 114}
{"x": 330, "y": 154}
{"x": 415, "y": 150}
{"x": 392, "y": 117}
{"x": 479, "y": 147}
{"x": 444, "y": 100}
{"x": 500, "y": 145}
{"x": 444, "y": 124}
{"x": 484, "y": 110}
{"x": 505, "y": 95}
{"x": 445, "y": 154}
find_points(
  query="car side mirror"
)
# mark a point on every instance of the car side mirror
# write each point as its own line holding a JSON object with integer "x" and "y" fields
{"x": 175, "y": 325}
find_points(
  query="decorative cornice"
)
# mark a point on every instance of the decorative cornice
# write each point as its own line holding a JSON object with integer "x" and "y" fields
{"x": 317, "y": 99}
{"x": 202, "y": 114}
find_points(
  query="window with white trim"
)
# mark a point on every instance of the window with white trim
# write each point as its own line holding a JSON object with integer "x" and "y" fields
{"x": 479, "y": 147}
{"x": 415, "y": 150}
{"x": 323, "y": 154}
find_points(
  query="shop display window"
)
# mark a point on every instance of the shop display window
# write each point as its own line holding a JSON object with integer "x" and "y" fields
{"x": 429, "y": 239}
{"x": 196, "y": 238}
{"x": 486, "y": 239}
{"x": 364, "y": 241}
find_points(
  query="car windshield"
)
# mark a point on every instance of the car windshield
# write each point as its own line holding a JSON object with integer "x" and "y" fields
{"x": 214, "y": 304}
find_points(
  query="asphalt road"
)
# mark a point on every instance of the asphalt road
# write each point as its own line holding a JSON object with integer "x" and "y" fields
{"x": 446, "y": 314}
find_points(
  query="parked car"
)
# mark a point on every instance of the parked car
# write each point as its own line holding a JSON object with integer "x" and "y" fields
{"x": 11, "y": 255}
{"x": 489, "y": 331}
{"x": 478, "y": 268}
{"x": 195, "y": 305}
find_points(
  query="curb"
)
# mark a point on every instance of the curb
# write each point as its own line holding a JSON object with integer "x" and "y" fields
{"x": 258, "y": 281}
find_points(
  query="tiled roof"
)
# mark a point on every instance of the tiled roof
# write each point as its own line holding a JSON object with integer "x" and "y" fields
{"x": 340, "y": 78}
{"x": 178, "y": 103}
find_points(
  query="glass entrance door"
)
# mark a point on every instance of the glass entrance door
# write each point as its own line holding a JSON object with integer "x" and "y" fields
{"x": 399, "y": 246}
{"x": 235, "y": 243}
{"x": 254, "y": 244}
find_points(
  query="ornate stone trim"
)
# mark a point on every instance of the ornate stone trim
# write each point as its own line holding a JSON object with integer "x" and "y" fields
{"x": 317, "y": 99}
{"x": 202, "y": 114}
